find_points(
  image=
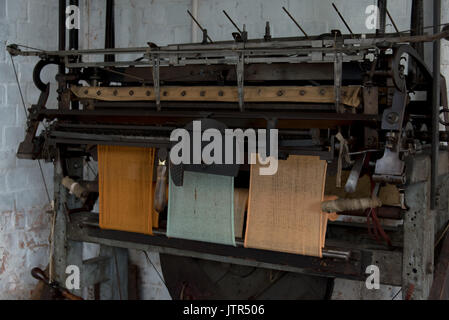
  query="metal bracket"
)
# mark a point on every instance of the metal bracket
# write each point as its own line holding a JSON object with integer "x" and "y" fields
{"x": 156, "y": 80}
{"x": 30, "y": 148}
{"x": 390, "y": 168}
{"x": 240, "y": 72}
{"x": 393, "y": 117}
{"x": 338, "y": 78}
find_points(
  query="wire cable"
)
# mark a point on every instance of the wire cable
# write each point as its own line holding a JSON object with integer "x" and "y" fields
{"x": 26, "y": 114}
{"x": 154, "y": 267}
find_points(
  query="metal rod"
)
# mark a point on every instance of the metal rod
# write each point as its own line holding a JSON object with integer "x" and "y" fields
{"x": 221, "y": 47}
{"x": 198, "y": 24}
{"x": 435, "y": 104}
{"x": 62, "y": 35}
{"x": 227, "y": 16}
{"x": 342, "y": 19}
{"x": 74, "y": 45}
{"x": 297, "y": 24}
{"x": 327, "y": 253}
{"x": 392, "y": 21}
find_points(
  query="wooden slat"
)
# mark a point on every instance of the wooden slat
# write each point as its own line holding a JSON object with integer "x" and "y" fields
{"x": 306, "y": 94}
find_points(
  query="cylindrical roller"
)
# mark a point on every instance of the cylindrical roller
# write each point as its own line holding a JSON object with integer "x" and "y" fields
{"x": 160, "y": 196}
{"x": 74, "y": 187}
{"x": 341, "y": 205}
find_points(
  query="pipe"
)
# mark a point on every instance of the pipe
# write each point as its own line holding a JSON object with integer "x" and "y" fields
{"x": 382, "y": 5}
{"x": 435, "y": 103}
{"x": 74, "y": 33}
{"x": 417, "y": 25}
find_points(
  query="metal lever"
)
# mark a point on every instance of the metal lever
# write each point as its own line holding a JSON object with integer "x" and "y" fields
{"x": 351, "y": 183}
{"x": 40, "y": 275}
{"x": 295, "y": 22}
{"x": 343, "y": 19}
{"x": 242, "y": 35}
{"x": 203, "y": 30}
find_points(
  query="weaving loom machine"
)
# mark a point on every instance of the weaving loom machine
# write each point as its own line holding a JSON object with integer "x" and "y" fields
{"x": 343, "y": 99}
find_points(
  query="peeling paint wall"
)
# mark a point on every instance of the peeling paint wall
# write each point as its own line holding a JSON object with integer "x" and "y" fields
{"x": 23, "y": 219}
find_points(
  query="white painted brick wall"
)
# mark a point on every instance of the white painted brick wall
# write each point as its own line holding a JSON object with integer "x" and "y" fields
{"x": 23, "y": 221}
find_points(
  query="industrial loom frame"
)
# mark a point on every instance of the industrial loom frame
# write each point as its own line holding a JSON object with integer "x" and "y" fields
{"x": 144, "y": 108}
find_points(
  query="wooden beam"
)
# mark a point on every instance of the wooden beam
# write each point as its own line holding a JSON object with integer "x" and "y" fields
{"x": 307, "y": 94}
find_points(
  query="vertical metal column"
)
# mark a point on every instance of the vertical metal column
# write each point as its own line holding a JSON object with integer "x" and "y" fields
{"x": 417, "y": 29}
{"x": 66, "y": 252}
{"x": 435, "y": 103}
{"x": 62, "y": 43}
{"x": 74, "y": 45}
{"x": 382, "y": 5}
{"x": 417, "y": 25}
{"x": 109, "y": 269}
{"x": 419, "y": 231}
{"x": 109, "y": 42}
{"x": 74, "y": 33}
{"x": 62, "y": 31}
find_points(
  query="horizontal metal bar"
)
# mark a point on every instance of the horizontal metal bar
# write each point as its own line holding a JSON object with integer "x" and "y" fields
{"x": 236, "y": 47}
{"x": 106, "y": 64}
{"x": 327, "y": 253}
{"x": 330, "y": 266}
{"x": 52, "y": 114}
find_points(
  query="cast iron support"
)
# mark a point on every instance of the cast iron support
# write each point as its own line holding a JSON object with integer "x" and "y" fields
{"x": 109, "y": 270}
{"x": 110, "y": 30}
{"x": 74, "y": 45}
